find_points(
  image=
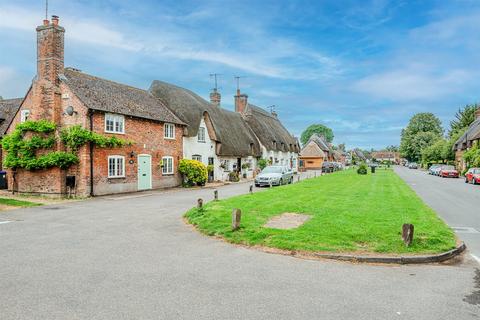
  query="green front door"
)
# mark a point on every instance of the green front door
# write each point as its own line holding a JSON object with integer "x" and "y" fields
{"x": 144, "y": 172}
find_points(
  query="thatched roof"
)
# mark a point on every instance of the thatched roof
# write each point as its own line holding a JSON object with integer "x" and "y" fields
{"x": 359, "y": 153}
{"x": 320, "y": 141}
{"x": 312, "y": 150}
{"x": 269, "y": 130}
{"x": 231, "y": 131}
{"x": 472, "y": 133}
{"x": 108, "y": 96}
{"x": 8, "y": 109}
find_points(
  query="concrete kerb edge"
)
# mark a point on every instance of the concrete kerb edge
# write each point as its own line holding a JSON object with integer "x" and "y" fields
{"x": 434, "y": 258}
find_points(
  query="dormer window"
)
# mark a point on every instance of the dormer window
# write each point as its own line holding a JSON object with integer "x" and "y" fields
{"x": 201, "y": 134}
{"x": 114, "y": 123}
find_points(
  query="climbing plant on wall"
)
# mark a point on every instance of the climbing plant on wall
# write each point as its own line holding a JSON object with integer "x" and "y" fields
{"x": 31, "y": 151}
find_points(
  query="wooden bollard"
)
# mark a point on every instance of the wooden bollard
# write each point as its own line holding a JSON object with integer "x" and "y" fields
{"x": 407, "y": 233}
{"x": 215, "y": 195}
{"x": 251, "y": 189}
{"x": 315, "y": 174}
{"x": 200, "y": 203}
{"x": 270, "y": 184}
{"x": 236, "y": 217}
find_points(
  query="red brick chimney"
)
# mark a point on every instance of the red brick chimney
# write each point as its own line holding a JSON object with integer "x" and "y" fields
{"x": 50, "y": 50}
{"x": 50, "y": 53}
{"x": 241, "y": 101}
{"x": 215, "y": 97}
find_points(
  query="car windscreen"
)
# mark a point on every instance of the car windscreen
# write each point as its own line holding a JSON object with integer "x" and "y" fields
{"x": 448, "y": 168}
{"x": 272, "y": 170}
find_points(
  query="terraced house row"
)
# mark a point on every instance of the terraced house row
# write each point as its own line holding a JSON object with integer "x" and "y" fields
{"x": 162, "y": 125}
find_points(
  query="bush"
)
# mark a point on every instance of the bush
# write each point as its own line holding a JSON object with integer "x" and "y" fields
{"x": 193, "y": 171}
{"x": 233, "y": 176}
{"x": 362, "y": 168}
{"x": 262, "y": 163}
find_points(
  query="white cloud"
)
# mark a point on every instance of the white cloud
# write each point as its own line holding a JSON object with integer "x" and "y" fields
{"x": 259, "y": 54}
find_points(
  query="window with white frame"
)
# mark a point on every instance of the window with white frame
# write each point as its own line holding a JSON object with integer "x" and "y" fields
{"x": 114, "y": 123}
{"x": 167, "y": 163}
{"x": 201, "y": 134}
{"x": 197, "y": 157}
{"x": 116, "y": 166}
{"x": 169, "y": 131}
{"x": 24, "y": 115}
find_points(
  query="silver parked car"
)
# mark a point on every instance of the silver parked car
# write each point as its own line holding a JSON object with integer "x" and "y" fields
{"x": 275, "y": 176}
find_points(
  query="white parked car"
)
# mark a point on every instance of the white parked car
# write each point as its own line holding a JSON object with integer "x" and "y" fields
{"x": 275, "y": 176}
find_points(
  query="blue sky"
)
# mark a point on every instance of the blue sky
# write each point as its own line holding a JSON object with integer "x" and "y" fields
{"x": 362, "y": 68}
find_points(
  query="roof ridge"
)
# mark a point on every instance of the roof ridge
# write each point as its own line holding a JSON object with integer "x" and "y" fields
{"x": 108, "y": 80}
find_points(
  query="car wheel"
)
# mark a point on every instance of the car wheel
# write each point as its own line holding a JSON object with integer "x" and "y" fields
{"x": 466, "y": 180}
{"x": 257, "y": 185}
{"x": 291, "y": 180}
{"x": 281, "y": 182}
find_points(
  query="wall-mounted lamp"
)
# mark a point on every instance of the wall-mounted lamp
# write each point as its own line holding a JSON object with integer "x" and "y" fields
{"x": 132, "y": 154}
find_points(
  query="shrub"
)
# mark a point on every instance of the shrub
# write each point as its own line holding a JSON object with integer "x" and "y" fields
{"x": 233, "y": 176}
{"x": 362, "y": 168}
{"x": 262, "y": 163}
{"x": 193, "y": 171}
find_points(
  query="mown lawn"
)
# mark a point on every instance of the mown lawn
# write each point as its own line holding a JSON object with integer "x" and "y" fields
{"x": 349, "y": 212}
{"x": 18, "y": 203}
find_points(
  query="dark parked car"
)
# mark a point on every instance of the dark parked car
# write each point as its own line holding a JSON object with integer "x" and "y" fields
{"x": 413, "y": 165}
{"x": 473, "y": 176}
{"x": 328, "y": 167}
{"x": 448, "y": 172}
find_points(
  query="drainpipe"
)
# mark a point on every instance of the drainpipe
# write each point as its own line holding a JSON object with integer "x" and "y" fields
{"x": 90, "y": 114}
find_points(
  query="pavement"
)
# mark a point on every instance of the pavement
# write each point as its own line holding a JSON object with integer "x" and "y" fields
{"x": 133, "y": 257}
{"x": 455, "y": 201}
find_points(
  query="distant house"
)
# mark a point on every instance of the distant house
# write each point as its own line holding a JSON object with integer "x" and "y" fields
{"x": 213, "y": 135}
{"x": 314, "y": 153}
{"x": 358, "y": 155}
{"x": 393, "y": 157}
{"x": 278, "y": 146}
{"x": 466, "y": 141}
{"x": 8, "y": 109}
{"x": 67, "y": 97}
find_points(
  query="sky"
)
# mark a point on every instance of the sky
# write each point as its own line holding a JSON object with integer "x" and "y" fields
{"x": 362, "y": 68}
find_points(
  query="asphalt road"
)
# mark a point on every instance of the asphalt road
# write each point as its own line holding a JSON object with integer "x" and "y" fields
{"x": 132, "y": 257}
{"x": 455, "y": 201}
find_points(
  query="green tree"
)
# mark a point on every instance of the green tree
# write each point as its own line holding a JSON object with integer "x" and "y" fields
{"x": 319, "y": 129}
{"x": 463, "y": 118}
{"x": 341, "y": 147}
{"x": 423, "y": 130}
{"x": 392, "y": 148}
{"x": 434, "y": 152}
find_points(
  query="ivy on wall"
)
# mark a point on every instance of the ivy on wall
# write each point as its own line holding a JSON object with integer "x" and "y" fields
{"x": 22, "y": 151}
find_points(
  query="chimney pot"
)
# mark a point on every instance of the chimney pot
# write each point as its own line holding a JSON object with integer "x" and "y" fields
{"x": 55, "y": 20}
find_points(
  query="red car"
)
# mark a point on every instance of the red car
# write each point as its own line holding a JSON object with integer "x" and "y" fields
{"x": 473, "y": 176}
{"x": 448, "y": 172}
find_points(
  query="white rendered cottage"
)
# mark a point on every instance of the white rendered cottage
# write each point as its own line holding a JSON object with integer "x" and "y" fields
{"x": 213, "y": 135}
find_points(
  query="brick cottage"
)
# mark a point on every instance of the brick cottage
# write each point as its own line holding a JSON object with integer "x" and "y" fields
{"x": 68, "y": 97}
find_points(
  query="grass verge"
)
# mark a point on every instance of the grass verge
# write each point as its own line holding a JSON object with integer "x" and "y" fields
{"x": 18, "y": 203}
{"x": 350, "y": 213}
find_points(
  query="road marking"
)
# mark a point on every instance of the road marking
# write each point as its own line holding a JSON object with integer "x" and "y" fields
{"x": 465, "y": 230}
{"x": 4, "y": 222}
{"x": 475, "y": 257}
